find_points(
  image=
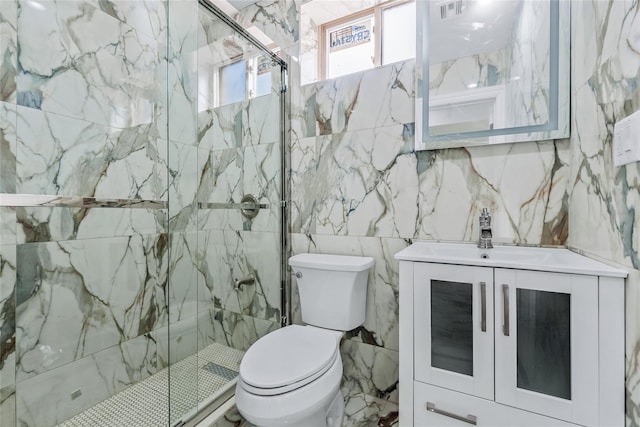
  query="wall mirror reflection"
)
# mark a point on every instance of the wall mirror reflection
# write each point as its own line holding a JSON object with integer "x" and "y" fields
{"x": 491, "y": 72}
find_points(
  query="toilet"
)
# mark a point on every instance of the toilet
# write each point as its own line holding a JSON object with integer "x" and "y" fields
{"x": 291, "y": 377}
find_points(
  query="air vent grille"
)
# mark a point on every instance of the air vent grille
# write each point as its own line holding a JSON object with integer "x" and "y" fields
{"x": 451, "y": 9}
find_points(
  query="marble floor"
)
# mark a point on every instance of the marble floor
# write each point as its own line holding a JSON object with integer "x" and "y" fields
{"x": 194, "y": 379}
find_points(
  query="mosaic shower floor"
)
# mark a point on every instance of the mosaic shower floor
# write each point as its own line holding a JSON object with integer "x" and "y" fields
{"x": 144, "y": 404}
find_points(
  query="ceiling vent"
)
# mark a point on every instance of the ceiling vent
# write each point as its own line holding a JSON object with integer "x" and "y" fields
{"x": 451, "y": 9}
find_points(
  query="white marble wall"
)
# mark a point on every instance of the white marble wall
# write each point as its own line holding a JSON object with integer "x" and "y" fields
{"x": 359, "y": 188}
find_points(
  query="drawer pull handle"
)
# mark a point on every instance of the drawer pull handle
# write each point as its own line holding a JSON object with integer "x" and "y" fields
{"x": 483, "y": 306}
{"x": 505, "y": 310}
{"x": 470, "y": 419}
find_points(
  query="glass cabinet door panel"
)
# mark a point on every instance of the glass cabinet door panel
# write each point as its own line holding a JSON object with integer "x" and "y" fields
{"x": 453, "y": 332}
{"x": 452, "y": 326}
{"x": 544, "y": 342}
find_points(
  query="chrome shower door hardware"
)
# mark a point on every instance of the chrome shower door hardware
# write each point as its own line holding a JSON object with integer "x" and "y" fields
{"x": 249, "y": 206}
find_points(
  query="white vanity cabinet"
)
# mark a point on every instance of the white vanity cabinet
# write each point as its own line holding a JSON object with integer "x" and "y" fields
{"x": 525, "y": 337}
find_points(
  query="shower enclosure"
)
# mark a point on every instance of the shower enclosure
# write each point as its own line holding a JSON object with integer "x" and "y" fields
{"x": 142, "y": 211}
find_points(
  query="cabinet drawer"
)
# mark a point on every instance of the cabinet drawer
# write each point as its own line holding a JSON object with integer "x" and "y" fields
{"x": 450, "y": 408}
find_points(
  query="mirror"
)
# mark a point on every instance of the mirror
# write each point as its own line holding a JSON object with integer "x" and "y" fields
{"x": 491, "y": 72}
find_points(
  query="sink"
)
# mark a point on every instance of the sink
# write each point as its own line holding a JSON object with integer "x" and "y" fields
{"x": 521, "y": 257}
{"x": 464, "y": 252}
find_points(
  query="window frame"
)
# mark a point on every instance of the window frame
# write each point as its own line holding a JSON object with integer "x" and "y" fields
{"x": 377, "y": 28}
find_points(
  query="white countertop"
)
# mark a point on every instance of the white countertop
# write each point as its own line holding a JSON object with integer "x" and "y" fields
{"x": 521, "y": 257}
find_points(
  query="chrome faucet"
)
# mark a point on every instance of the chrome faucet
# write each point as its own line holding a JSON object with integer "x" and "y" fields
{"x": 485, "y": 230}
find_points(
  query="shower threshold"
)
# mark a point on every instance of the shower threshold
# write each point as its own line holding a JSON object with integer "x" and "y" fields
{"x": 199, "y": 378}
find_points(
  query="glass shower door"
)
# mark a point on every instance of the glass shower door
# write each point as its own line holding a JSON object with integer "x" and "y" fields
{"x": 226, "y": 234}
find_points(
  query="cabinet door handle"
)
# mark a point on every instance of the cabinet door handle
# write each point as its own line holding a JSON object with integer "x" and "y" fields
{"x": 483, "y": 306}
{"x": 470, "y": 419}
{"x": 505, "y": 310}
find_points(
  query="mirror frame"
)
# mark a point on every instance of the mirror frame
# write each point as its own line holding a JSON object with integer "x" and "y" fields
{"x": 558, "y": 125}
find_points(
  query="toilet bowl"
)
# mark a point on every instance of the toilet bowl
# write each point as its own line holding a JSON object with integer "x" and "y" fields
{"x": 291, "y": 377}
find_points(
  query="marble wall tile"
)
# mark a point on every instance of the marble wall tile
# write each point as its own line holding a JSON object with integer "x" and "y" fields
{"x": 178, "y": 120}
{"x": 7, "y": 316}
{"x": 456, "y": 184}
{"x": 176, "y": 342}
{"x": 363, "y": 410}
{"x": 46, "y": 399}
{"x": 8, "y": 405}
{"x": 278, "y": 19}
{"x": 184, "y": 276}
{"x": 227, "y": 175}
{"x": 261, "y": 119}
{"x": 8, "y": 142}
{"x": 61, "y": 155}
{"x": 380, "y": 327}
{"x": 68, "y": 306}
{"x": 230, "y": 255}
{"x": 221, "y": 128}
{"x": 8, "y": 50}
{"x": 111, "y": 67}
{"x": 183, "y": 174}
{"x": 361, "y": 183}
{"x": 238, "y": 331}
{"x": 145, "y": 16}
{"x": 369, "y": 370}
{"x": 370, "y": 99}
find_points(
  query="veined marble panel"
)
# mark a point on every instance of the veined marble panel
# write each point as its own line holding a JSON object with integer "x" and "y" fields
{"x": 184, "y": 276}
{"x": 369, "y": 99}
{"x": 8, "y": 50}
{"x": 177, "y": 341}
{"x": 8, "y": 405}
{"x": 7, "y": 316}
{"x": 261, "y": 119}
{"x": 230, "y": 255}
{"x": 456, "y": 184}
{"x": 70, "y": 157}
{"x": 606, "y": 89}
{"x": 145, "y": 16}
{"x": 220, "y": 128}
{"x": 7, "y": 147}
{"x": 363, "y": 184}
{"x": 361, "y": 410}
{"x": 76, "y": 298}
{"x": 112, "y": 69}
{"x": 380, "y": 327}
{"x": 178, "y": 120}
{"x": 369, "y": 370}
{"x": 47, "y": 399}
{"x": 7, "y": 160}
{"x": 227, "y": 175}
{"x": 238, "y": 331}
{"x": 278, "y": 19}
{"x": 183, "y": 183}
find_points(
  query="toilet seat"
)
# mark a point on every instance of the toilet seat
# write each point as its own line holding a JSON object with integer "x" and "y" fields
{"x": 287, "y": 359}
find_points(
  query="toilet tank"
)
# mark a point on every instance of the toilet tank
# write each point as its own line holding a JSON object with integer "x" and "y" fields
{"x": 332, "y": 288}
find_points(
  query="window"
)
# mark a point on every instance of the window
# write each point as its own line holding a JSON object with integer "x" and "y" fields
{"x": 376, "y": 36}
{"x": 244, "y": 79}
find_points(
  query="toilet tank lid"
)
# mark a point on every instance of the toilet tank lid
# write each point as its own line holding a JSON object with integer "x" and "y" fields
{"x": 331, "y": 262}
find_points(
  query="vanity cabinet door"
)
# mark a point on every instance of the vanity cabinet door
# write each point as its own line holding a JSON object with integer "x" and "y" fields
{"x": 546, "y": 331}
{"x": 453, "y": 327}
